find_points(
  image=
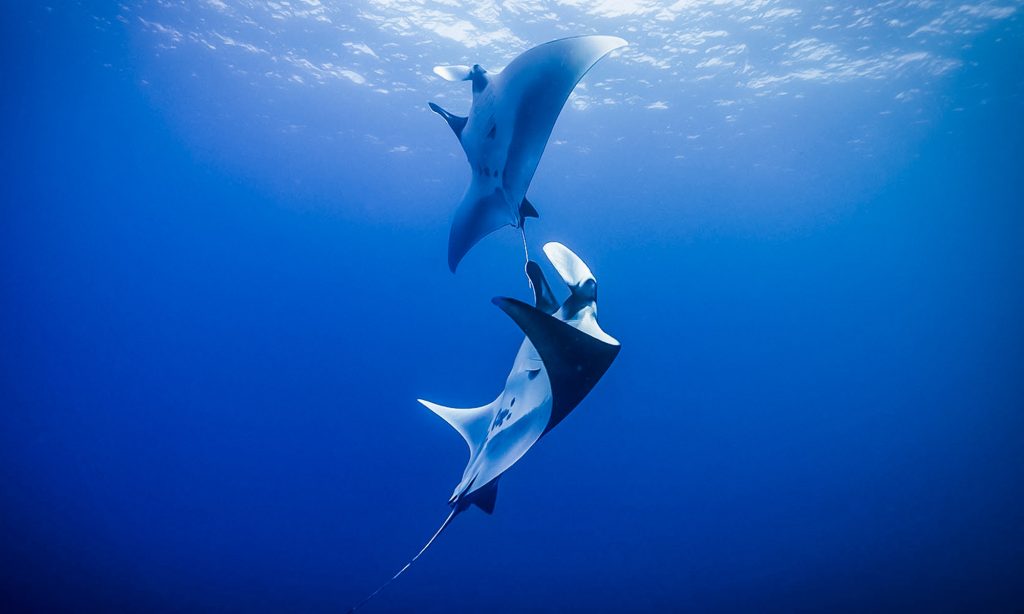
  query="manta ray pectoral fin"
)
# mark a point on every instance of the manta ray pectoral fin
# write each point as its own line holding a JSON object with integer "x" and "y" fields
{"x": 543, "y": 297}
{"x": 455, "y": 72}
{"x": 456, "y": 122}
{"x": 534, "y": 88}
{"x": 526, "y": 209}
{"x": 477, "y": 216}
{"x": 574, "y": 360}
{"x": 471, "y": 423}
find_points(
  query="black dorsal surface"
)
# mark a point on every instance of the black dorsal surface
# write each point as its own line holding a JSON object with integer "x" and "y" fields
{"x": 574, "y": 360}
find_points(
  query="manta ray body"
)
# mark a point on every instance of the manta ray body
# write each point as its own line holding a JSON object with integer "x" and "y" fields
{"x": 565, "y": 351}
{"x": 563, "y": 356}
{"x": 509, "y": 123}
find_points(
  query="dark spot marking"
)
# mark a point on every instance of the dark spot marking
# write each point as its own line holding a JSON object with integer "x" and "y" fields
{"x": 500, "y": 418}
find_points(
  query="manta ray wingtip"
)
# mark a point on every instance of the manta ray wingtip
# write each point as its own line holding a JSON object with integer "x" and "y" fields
{"x": 602, "y": 43}
{"x": 478, "y": 215}
{"x": 611, "y": 43}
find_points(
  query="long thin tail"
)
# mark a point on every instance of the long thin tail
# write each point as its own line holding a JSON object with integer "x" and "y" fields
{"x": 444, "y": 525}
{"x": 526, "y": 248}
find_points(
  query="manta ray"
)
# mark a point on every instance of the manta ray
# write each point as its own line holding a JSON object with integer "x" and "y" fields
{"x": 504, "y": 136}
{"x": 564, "y": 355}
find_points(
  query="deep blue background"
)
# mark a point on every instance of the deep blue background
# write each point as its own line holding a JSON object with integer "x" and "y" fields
{"x": 208, "y": 384}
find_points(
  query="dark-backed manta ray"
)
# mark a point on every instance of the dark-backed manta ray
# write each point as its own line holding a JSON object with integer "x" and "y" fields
{"x": 509, "y": 122}
{"x": 564, "y": 355}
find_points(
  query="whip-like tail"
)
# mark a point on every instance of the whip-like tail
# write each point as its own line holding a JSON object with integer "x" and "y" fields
{"x": 444, "y": 525}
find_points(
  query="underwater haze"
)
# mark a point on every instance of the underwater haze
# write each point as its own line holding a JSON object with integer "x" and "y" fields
{"x": 224, "y": 278}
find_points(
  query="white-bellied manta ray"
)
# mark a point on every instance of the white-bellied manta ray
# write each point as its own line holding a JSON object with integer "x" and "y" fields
{"x": 504, "y": 136}
{"x": 564, "y": 355}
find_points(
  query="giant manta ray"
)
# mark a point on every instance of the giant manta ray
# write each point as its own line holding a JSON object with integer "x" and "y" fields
{"x": 509, "y": 122}
{"x": 564, "y": 355}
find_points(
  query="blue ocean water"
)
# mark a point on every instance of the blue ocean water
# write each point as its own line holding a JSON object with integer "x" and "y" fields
{"x": 224, "y": 284}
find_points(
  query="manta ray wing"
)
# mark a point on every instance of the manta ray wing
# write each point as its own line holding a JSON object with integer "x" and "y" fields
{"x": 478, "y": 215}
{"x": 538, "y": 83}
{"x": 471, "y": 423}
{"x": 574, "y": 360}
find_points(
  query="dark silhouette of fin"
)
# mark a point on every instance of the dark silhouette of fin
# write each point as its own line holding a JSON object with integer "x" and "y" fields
{"x": 575, "y": 361}
{"x": 543, "y": 297}
{"x": 526, "y": 209}
{"x": 444, "y": 525}
{"x": 456, "y": 122}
